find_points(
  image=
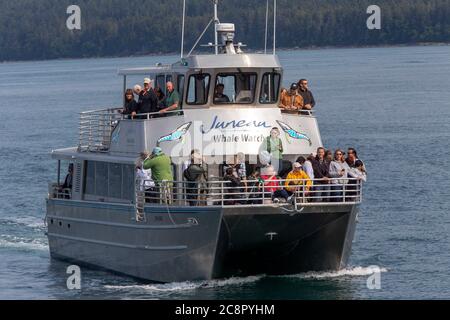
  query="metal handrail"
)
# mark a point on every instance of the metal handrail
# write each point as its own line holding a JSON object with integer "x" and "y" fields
{"x": 250, "y": 193}
{"x": 96, "y": 127}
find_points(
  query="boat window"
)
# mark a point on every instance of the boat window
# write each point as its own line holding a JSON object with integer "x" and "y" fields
{"x": 109, "y": 180}
{"x": 115, "y": 181}
{"x": 270, "y": 88}
{"x": 161, "y": 82}
{"x": 198, "y": 88}
{"x": 236, "y": 88}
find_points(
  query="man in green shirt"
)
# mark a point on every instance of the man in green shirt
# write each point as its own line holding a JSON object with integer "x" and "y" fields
{"x": 172, "y": 99}
{"x": 161, "y": 166}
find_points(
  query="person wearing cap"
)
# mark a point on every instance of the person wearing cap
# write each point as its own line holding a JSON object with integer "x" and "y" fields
{"x": 291, "y": 100}
{"x": 298, "y": 180}
{"x": 148, "y": 101}
{"x": 306, "y": 94}
{"x": 160, "y": 164}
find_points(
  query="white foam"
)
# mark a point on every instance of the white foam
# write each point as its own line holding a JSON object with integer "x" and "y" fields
{"x": 188, "y": 285}
{"x": 30, "y": 222}
{"x": 349, "y": 272}
{"x": 24, "y": 244}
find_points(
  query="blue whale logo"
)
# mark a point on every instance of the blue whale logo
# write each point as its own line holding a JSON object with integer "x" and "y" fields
{"x": 178, "y": 134}
{"x": 294, "y": 133}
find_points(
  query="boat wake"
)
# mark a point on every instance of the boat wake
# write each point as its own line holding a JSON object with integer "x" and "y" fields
{"x": 348, "y": 272}
{"x": 188, "y": 285}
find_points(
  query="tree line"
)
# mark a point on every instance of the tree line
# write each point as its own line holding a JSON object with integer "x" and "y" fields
{"x": 34, "y": 30}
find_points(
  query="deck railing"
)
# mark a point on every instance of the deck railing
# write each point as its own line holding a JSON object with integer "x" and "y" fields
{"x": 249, "y": 193}
{"x": 96, "y": 127}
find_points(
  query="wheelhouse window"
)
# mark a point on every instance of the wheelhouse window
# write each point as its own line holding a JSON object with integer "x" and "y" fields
{"x": 270, "y": 88}
{"x": 180, "y": 87}
{"x": 198, "y": 88}
{"x": 235, "y": 88}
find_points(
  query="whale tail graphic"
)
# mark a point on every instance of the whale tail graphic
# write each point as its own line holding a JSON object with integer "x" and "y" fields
{"x": 291, "y": 132}
{"x": 176, "y": 135}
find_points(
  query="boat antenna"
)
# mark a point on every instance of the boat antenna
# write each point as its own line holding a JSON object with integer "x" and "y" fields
{"x": 216, "y": 22}
{"x": 267, "y": 27}
{"x": 182, "y": 29}
{"x": 274, "y": 27}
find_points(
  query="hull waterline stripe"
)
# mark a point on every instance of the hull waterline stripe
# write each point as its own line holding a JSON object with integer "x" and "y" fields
{"x": 115, "y": 244}
{"x": 122, "y": 225}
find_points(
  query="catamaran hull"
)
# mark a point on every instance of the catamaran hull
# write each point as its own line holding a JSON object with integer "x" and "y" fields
{"x": 177, "y": 244}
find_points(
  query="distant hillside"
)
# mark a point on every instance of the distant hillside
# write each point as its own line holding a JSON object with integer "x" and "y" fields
{"x": 31, "y": 29}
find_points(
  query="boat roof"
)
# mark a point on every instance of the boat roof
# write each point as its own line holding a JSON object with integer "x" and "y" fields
{"x": 212, "y": 61}
{"x": 71, "y": 154}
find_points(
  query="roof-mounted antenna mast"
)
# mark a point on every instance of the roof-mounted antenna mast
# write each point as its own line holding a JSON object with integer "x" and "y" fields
{"x": 216, "y": 22}
{"x": 274, "y": 27}
{"x": 182, "y": 29}
{"x": 267, "y": 27}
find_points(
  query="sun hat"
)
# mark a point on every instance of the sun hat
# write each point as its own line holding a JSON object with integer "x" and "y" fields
{"x": 157, "y": 151}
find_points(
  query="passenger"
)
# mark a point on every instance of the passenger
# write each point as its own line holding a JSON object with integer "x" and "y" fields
{"x": 69, "y": 178}
{"x": 137, "y": 90}
{"x": 292, "y": 101}
{"x": 232, "y": 188}
{"x": 272, "y": 188}
{"x": 161, "y": 167}
{"x": 161, "y": 98}
{"x": 321, "y": 175}
{"x": 297, "y": 182}
{"x": 219, "y": 96}
{"x": 65, "y": 190}
{"x": 274, "y": 146}
{"x": 196, "y": 177}
{"x": 307, "y": 166}
{"x": 172, "y": 99}
{"x": 146, "y": 184}
{"x": 308, "y": 97}
{"x": 254, "y": 186}
{"x": 131, "y": 106}
{"x": 352, "y": 157}
{"x": 148, "y": 101}
{"x": 339, "y": 170}
{"x": 358, "y": 172}
{"x": 329, "y": 157}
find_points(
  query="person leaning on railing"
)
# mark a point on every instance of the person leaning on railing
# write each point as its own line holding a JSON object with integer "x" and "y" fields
{"x": 131, "y": 107}
{"x": 172, "y": 101}
{"x": 298, "y": 181}
{"x": 291, "y": 101}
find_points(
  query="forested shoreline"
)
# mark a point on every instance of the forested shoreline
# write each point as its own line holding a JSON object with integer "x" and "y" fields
{"x": 36, "y": 30}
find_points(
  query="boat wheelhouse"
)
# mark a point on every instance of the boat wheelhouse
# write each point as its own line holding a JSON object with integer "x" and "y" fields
{"x": 107, "y": 220}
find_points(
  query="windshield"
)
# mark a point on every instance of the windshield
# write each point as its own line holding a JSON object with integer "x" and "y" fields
{"x": 235, "y": 88}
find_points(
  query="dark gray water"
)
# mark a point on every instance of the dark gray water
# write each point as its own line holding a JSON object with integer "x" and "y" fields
{"x": 392, "y": 104}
